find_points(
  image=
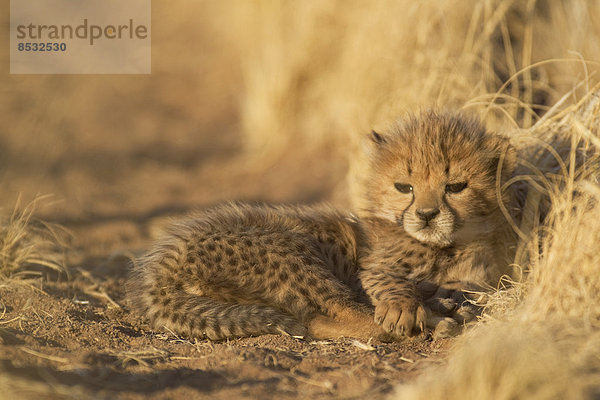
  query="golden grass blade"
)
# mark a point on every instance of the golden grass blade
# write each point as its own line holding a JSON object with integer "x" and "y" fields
{"x": 26, "y": 243}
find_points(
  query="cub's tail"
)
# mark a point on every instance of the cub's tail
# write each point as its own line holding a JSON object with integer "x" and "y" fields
{"x": 198, "y": 316}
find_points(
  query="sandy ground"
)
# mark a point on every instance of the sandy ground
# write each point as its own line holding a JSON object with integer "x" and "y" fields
{"x": 94, "y": 350}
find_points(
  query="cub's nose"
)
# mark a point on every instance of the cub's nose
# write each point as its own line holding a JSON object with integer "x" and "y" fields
{"x": 427, "y": 214}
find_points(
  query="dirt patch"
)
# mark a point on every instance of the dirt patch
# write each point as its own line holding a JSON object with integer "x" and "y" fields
{"x": 76, "y": 338}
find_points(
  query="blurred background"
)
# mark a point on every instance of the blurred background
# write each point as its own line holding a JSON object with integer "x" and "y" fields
{"x": 270, "y": 100}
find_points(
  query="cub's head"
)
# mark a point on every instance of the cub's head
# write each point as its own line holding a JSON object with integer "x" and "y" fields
{"x": 436, "y": 176}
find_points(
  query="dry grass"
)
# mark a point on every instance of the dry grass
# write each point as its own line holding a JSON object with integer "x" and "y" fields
{"x": 317, "y": 71}
{"x": 325, "y": 73}
{"x": 542, "y": 337}
{"x": 145, "y": 357}
{"x": 28, "y": 246}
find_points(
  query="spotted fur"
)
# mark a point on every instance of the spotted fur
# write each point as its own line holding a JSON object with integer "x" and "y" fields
{"x": 243, "y": 270}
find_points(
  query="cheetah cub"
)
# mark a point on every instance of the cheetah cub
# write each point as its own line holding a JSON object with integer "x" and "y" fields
{"x": 433, "y": 228}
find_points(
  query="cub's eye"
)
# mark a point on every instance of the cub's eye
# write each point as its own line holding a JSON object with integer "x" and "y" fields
{"x": 456, "y": 187}
{"x": 403, "y": 187}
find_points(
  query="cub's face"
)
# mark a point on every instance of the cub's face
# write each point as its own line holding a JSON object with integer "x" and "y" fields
{"x": 436, "y": 176}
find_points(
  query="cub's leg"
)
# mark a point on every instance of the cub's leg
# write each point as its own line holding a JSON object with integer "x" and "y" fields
{"x": 398, "y": 306}
{"x": 453, "y": 305}
{"x": 349, "y": 320}
{"x": 468, "y": 297}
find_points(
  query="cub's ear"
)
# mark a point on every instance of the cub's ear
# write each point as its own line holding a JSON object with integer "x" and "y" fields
{"x": 377, "y": 138}
{"x": 375, "y": 142}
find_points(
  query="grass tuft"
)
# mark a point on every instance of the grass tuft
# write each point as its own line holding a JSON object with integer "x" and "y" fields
{"x": 28, "y": 246}
{"x": 541, "y": 338}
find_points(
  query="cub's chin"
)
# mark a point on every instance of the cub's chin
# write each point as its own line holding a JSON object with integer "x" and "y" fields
{"x": 432, "y": 236}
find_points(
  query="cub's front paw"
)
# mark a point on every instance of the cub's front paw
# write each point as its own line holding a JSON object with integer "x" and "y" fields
{"x": 401, "y": 317}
